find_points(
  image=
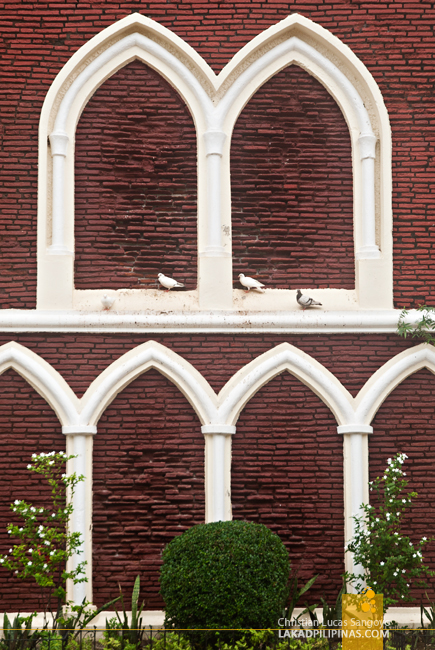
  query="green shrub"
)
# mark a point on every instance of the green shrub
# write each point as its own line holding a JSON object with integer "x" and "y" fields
{"x": 224, "y": 575}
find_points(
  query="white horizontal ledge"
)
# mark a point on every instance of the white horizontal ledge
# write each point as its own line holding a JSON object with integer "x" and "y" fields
{"x": 307, "y": 322}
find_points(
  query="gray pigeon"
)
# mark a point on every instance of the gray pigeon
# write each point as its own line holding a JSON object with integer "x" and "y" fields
{"x": 306, "y": 301}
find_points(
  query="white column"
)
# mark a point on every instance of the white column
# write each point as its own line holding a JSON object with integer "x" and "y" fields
{"x": 214, "y": 145}
{"x": 218, "y": 471}
{"x": 79, "y": 443}
{"x": 367, "y": 148}
{"x": 356, "y": 480}
{"x": 59, "y": 146}
{"x": 215, "y": 264}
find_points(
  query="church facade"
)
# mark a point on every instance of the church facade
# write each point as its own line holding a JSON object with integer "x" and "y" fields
{"x": 290, "y": 142}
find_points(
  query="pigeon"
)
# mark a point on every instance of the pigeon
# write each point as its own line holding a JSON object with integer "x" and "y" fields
{"x": 251, "y": 283}
{"x": 168, "y": 283}
{"x": 306, "y": 301}
{"x": 107, "y": 301}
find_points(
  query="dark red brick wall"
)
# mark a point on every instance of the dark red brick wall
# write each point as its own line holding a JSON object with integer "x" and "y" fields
{"x": 135, "y": 184}
{"x": 285, "y": 435}
{"x": 292, "y": 195}
{"x": 148, "y": 485}
{"x": 393, "y": 39}
{"x": 287, "y": 473}
{"x": 27, "y": 426}
{"x": 80, "y": 358}
{"x": 404, "y": 423}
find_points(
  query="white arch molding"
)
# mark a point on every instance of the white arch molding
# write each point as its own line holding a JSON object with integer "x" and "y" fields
{"x": 217, "y": 415}
{"x": 215, "y": 103}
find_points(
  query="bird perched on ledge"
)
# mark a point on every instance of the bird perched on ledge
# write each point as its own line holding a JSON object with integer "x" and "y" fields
{"x": 251, "y": 283}
{"x": 306, "y": 301}
{"x": 168, "y": 283}
{"x": 107, "y": 301}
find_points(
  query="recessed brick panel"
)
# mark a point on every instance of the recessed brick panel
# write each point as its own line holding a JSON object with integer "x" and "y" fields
{"x": 287, "y": 473}
{"x": 284, "y": 420}
{"x": 37, "y": 39}
{"x": 404, "y": 423}
{"x": 148, "y": 485}
{"x": 135, "y": 185}
{"x": 291, "y": 180}
{"x": 27, "y": 426}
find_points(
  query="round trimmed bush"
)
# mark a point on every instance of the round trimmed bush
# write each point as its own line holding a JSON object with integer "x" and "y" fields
{"x": 228, "y": 574}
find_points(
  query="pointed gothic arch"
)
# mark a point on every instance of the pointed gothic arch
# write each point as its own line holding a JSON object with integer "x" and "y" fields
{"x": 389, "y": 376}
{"x": 124, "y": 370}
{"x": 215, "y": 103}
{"x": 47, "y": 381}
{"x": 284, "y": 357}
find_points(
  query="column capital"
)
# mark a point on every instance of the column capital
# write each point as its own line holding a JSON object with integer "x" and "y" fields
{"x": 59, "y": 143}
{"x": 214, "y": 142}
{"x": 79, "y": 430}
{"x": 222, "y": 429}
{"x": 354, "y": 428}
{"x": 367, "y": 145}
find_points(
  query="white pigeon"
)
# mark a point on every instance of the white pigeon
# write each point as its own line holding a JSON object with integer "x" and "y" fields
{"x": 306, "y": 301}
{"x": 168, "y": 283}
{"x": 251, "y": 283}
{"x": 107, "y": 301}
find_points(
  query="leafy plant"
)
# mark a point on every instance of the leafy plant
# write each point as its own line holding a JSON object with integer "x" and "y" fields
{"x": 390, "y": 560}
{"x": 45, "y": 546}
{"x": 424, "y": 328}
{"x": 69, "y": 626}
{"x": 227, "y": 574}
{"x": 15, "y": 637}
{"x": 122, "y": 630}
{"x": 45, "y": 541}
{"x": 332, "y": 616}
{"x": 295, "y": 594}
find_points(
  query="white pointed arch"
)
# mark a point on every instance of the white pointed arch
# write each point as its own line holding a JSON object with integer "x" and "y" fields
{"x": 298, "y": 40}
{"x": 43, "y": 378}
{"x": 124, "y": 370}
{"x": 285, "y": 357}
{"x": 215, "y": 103}
{"x": 389, "y": 376}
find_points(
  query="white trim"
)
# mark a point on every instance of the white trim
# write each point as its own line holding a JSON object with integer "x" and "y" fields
{"x": 218, "y": 471}
{"x": 247, "y": 381}
{"x": 354, "y": 428}
{"x": 404, "y": 616}
{"x": 297, "y": 322}
{"x": 79, "y": 429}
{"x": 217, "y": 477}
{"x": 376, "y": 390}
{"x": 221, "y": 429}
{"x": 215, "y": 104}
{"x": 355, "y": 482}
{"x": 124, "y": 370}
{"x": 43, "y": 378}
{"x": 81, "y": 446}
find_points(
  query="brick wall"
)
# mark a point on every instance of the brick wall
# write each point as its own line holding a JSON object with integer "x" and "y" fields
{"x": 148, "y": 485}
{"x": 291, "y": 179}
{"x": 27, "y": 426}
{"x": 403, "y": 424}
{"x": 37, "y": 39}
{"x": 287, "y": 473}
{"x": 148, "y": 472}
{"x": 135, "y": 184}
